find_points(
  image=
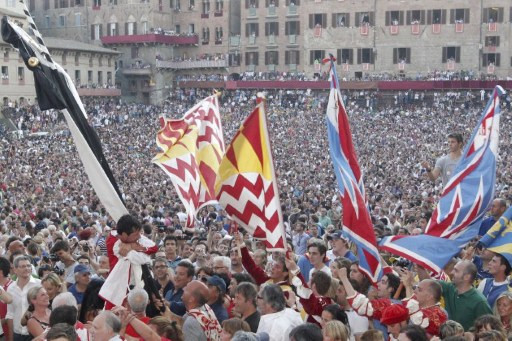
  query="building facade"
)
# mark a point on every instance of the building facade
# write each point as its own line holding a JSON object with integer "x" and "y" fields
{"x": 162, "y": 40}
{"x": 91, "y": 67}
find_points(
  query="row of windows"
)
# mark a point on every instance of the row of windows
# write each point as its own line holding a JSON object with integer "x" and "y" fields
{"x": 432, "y": 16}
{"x": 400, "y": 55}
{"x": 62, "y": 21}
{"x": 219, "y": 34}
{"x": 270, "y": 3}
{"x": 130, "y": 28}
{"x": 205, "y": 5}
{"x": 271, "y": 58}
{"x": 20, "y": 73}
{"x": 272, "y": 28}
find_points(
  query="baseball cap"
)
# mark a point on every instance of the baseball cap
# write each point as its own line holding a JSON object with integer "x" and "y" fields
{"x": 339, "y": 234}
{"x": 217, "y": 282}
{"x": 80, "y": 268}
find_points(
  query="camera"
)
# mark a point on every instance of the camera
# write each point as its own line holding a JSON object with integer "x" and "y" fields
{"x": 161, "y": 228}
{"x": 58, "y": 271}
{"x": 53, "y": 257}
{"x": 85, "y": 248}
{"x": 403, "y": 263}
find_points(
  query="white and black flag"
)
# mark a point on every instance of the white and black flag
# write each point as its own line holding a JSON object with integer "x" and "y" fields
{"x": 55, "y": 90}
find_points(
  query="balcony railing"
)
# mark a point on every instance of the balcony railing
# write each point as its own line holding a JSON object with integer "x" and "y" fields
{"x": 218, "y": 14}
{"x": 271, "y": 11}
{"x": 252, "y": 12}
{"x": 98, "y": 92}
{"x": 292, "y": 39}
{"x": 292, "y": 10}
{"x": 252, "y": 40}
{"x": 137, "y": 71}
{"x": 151, "y": 38}
{"x": 271, "y": 40}
{"x": 192, "y": 64}
{"x": 234, "y": 41}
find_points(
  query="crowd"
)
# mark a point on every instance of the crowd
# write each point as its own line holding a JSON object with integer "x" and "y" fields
{"x": 58, "y": 243}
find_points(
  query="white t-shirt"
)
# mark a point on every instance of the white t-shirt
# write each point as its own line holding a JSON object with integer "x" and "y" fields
{"x": 358, "y": 324}
{"x": 325, "y": 269}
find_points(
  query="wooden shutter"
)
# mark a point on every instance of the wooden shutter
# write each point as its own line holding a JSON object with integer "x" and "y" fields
{"x": 371, "y": 16}
{"x": 401, "y": 18}
{"x": 297, "y": 28}
{"x": 92, "y": 32}
{"x": 126, "y": 28}
{"x": 429, "y": 17}
{"x": 359, "y": 56}
{"x": 457, "y": 54}
{"x": 351, "y": 56}
{"x": 408, "y": 55}
{"x": 286, "y": 57}
{"x": 311, "y": 21}
{"x": 358, "y": 18}
{"x": 408, "y": 19}
{"x": 497, "y": 63}
{"x": 443, "y": 16}
{"x": 338, "y": 56}
{"x": 444, "y": 57}
{"x": 395, "y": 56}
{"x": 324, "y": 20}
{"x": 334, "y": 20}
{"x": 286, "y": 28}
{"x": 101, "y": 30}
{"x": 422, "y": 17}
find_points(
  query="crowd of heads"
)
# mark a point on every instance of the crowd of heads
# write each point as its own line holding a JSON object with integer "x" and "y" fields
{"x": 53, "y": 227}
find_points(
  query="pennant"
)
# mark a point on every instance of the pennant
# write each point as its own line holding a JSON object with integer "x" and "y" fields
{"x": 191, "y": 151}
{"x": 356, "y": 219}
{"x": 246, "y": 184}
{"x": 464, "y": 199}
{"x": 55, "y": 90}
{"x": 499, "y": 237}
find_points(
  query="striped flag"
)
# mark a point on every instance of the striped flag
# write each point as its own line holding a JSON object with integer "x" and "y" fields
{"x": 464, "y": 199}
{"x": 246, "y": 184}
{"x": 55, "y": 90}
{"x": 356, "y": 218}
{"x": 191, "y": 150}
{"x": 499, "y": 238}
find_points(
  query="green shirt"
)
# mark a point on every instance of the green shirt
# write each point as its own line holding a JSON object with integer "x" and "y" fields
{"x": 465, "y": 308}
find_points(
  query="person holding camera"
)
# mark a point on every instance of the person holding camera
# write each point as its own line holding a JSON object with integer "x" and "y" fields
{"x": 62, "y": 251}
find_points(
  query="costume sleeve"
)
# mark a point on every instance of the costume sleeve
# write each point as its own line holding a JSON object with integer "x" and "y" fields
{"x": 255, "y": 271}
{"x": 311, "y": 303}
{"x": 369, "y": 308}
{"x": 112, "y": 259}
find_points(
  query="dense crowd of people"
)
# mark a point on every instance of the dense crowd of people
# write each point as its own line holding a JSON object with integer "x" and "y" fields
{"x": 58, "y": 244}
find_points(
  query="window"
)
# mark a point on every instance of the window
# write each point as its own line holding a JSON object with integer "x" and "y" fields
{"x": 191, "y": 4}
{"x": 234, "y": 59}
{"x": 77, "y": 77}
{"x": 219, "y": 5}
{"x": 436, "y": 16}
{"x": 5, "y": 72}
{"x": 96, "y": 31}
{"x": 77, "y": 58}
{"x": 451, "y": 53}
{"x": 292, "y": 3}
{"x": 292, "y": 28}
{"x": 318, "y": 19}
{"x": 191, "y": 28}
{"x": 206, "y": 34}
{"x": 271, "y": 28}
{"x": 491, "y": 58}
{"x": 109, "y": 78}
{"x": 316, "y": 56}
{"x": 251, "y": 58}
{"x": 206, "y": 6}
{"x": 78, "y": 19}
{"x": 292, "y": 57}
{"x": 271, "y": 3}
{"x": 177, "y": 29}
{"x": 100, "y": 61}
{"x": 89, "y": 76}
{"x": 345, "y": 56}
{"x": 96, "y": 3}
{"x": 135, "y": 52}
{"x": 402, "y": 55}
{"x": 340, "y": 20}
{"x": 47, "y": 22}
{"x": 251, "y": 4}
{"x": 415, "y": 17}
{"x": 130, "y": 28}
{"x": 394, "y": 18}
{"x": 365, "y": 18}
{"x": 492, "y": 41}
{"x": 21, "y": 73}
{"x": 365, "y": 56}
{"x": 251, "y": 29}
{"x": 145, "y": 27}
{"x": 64, "y": 3}
{"x": 177, "y": 5}
{"x": 6, "y": 55}
{"x": 271, "y": 58}
{"x": 112, "y": 29}
{"x": 46, "y": 4}
{"x": 492, "y": 14}
{"x": 219, "y": 33}
{"x": 62, "y": 21}
{"x": 459, "y": 16}
{"x": 100, "y": 77}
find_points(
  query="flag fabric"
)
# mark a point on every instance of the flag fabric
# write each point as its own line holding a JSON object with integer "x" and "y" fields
{"x": 464, "y": 199}
{"x": 191, "y": 150}
{"x": 356, "y": 218}
{"x": 246, "y": 184}
{"x": 55, "y": 90}
{"x": 499, "y": 237}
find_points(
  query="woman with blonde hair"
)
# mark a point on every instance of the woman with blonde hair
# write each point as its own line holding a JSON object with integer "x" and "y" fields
{"x": 53, "y": 285}
{"x": 335, "y": 331}
{"x": 503, "y": 310}
{"x": 166, "y": 328}
{"x": 37, "y": 316}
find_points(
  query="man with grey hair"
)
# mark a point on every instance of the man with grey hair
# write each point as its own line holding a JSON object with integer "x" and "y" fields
{"x": 276, "y": 319}
{"x": 222, "y": 265}
{"x": 106, "y": 326}
{"x": 67, "y": 299}
{"x": 138, "y": 300}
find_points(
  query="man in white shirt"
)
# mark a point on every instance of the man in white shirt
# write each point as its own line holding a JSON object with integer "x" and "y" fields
{"x": 19, "y": 305}
{"x": 276, "y": 320}
{"x": 317, "y": 252}
{"x": 106, "y": 326}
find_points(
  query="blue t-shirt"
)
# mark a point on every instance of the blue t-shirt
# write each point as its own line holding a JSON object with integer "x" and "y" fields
{"x": 78, "y": 295}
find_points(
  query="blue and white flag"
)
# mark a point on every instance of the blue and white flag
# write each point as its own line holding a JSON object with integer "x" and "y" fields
{"x": 464, "y": 200}
{"x": 499, "y": 238}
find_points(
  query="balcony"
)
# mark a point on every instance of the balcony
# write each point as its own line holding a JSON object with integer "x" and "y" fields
{"x": 292, "y": 10}
{"x": 271, "y": 67}
{"x": 205, "y": 15}
{"x": 292, "y": 67}
{"x": 192, "y": 64}
{"x": 271, "y": 11}
{"x": 271, "y": 40}
{"x": 292, "y": 39}
{"x": 143, "y": 71}
{"x": 252, "y": 12}
{"x": 99, "y": 92}
{"x": 218, "y": 13}
{"x": 251, "y": 68}
{"x": 151, "y": 38}
{"x": 234, "y": 41}
{"x": 218, "y": 41}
